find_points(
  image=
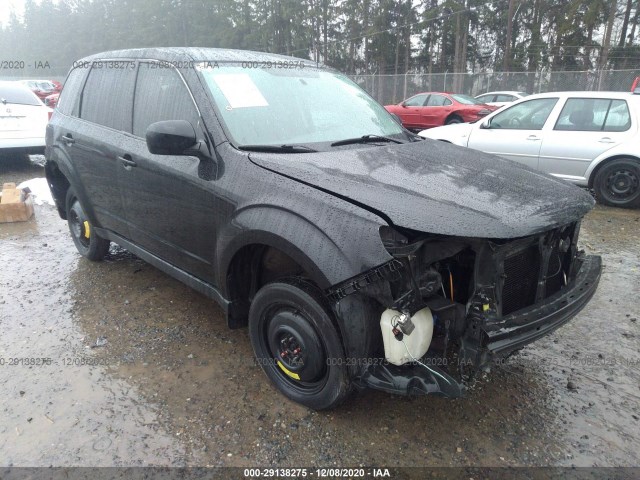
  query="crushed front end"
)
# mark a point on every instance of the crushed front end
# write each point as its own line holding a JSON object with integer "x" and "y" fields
{"x": 482, "y": 299}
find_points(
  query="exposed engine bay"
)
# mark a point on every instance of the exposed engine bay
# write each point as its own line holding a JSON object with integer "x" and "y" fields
{"x": 449, "y": 306}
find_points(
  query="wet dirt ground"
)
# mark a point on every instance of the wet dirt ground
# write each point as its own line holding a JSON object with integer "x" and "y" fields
{"x": 116, "y": 363}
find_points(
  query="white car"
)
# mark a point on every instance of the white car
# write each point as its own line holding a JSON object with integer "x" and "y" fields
{"x": 23, "y": 119}
{"x": 501, "y": 99}
{"x": 588, "y": 138}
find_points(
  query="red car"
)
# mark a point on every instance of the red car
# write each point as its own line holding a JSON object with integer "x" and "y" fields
{"x": 42, "y": 88}
{"x": 52, "y": 100}
{"x": 433, "y": 109}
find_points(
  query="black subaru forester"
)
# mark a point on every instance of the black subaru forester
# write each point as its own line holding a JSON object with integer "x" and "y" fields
{"x": 358, "y": 254}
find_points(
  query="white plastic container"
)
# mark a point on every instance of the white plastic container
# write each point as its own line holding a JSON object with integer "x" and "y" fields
{"x": 417, "y": 342}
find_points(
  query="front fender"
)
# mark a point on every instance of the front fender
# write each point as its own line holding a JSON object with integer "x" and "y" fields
{"x": 330, "y": 248}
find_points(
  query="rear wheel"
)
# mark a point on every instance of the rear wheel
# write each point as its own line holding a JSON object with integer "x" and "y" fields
{"x": 87, "y": 241}
{"x": 617, "y": 183}
{"x": 452, "y": 120}
{"x": 297, "y": 344}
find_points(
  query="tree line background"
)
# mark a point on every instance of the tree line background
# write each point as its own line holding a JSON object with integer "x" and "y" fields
{"x": 354, "y": 36}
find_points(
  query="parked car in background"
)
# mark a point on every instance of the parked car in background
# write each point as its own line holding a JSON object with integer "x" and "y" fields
{"x": 297, "y": 202}
{"x": 42, "y": 88}
{"x": 52, "y": 100}
{"x": 588, "y": 138}
{"x": 433, "y": 109}
{"x": 23, "y": 119}
{"x": 500, "y": 99}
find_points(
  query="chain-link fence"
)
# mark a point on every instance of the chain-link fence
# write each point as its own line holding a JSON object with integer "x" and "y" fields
{"x": 390, "y": 89}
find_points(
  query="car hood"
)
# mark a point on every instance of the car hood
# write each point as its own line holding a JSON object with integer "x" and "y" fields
{"x": 438, "y": 188}
{"x": 456, "y": 131}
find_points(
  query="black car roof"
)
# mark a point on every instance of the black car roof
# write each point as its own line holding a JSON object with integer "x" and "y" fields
{"x": 194, "y": 54}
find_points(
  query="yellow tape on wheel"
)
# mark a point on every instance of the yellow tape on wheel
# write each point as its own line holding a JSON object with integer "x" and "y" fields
{"x": 87, "y": 229}
{"x": 287, "y": 371}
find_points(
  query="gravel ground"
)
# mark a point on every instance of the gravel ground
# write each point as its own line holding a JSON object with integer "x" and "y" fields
{"x": 136, "y": 369}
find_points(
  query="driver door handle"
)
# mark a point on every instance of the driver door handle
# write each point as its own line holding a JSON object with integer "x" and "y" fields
{"x": 68, "y": 139}
{"x": 127, "y": 162}
{"x": 533, "y": 138}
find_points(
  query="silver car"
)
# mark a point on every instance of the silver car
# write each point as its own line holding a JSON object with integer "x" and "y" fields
{"x": 502, "y": 98}
{"x": 588, "y": 138}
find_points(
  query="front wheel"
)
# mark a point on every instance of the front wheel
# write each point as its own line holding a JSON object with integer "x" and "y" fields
{"x": 617, "y": 183}
{"x": 88, "y": 242}
{"x": 297, "y": 344}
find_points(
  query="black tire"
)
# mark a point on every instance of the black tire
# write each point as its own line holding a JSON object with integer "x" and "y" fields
{"x": 87, "y": 241}
{"x": 453, "y": 120}
{"x": 617, "y": 183}
{"x": 297, "y": 344}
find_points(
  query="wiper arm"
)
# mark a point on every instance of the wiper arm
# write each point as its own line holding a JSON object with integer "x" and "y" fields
{"x": 277, "y": 148}
{"x": 365, "y": 139}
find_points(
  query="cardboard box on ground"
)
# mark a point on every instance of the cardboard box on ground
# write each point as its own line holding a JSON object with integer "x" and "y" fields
{"x": 16, "y": 205}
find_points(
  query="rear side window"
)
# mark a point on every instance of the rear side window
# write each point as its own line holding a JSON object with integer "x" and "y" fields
{"x": 505, "y": 98}
{"x": 594, "y": 115}
{"x": 485, "y": 98}
{"x": 107, "y": 96}
{"x": 69, "y": 100}
{"x": 438, "y": 101}
{"x": 17, "y": 95}
{"x": 161, "y": 95}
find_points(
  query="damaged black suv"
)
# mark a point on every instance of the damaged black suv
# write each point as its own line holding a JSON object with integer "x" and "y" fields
{"x": 357, "y": 254}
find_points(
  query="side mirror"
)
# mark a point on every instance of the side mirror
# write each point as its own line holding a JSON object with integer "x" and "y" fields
{"x": 171, "y": 137}
{"x": 485, "y": 123}
{"x": 403, "y": 105}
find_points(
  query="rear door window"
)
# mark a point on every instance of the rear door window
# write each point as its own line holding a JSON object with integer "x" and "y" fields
{"x": 108, "y": 94}
{"x": 594, "y": 115}
{"x": 505, "y": 98}
{"x": 485, "y": 98}
{"x": 161, "y": 95}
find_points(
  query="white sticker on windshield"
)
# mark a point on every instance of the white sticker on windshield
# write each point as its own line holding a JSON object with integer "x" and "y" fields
{"x": 240, "y": 91}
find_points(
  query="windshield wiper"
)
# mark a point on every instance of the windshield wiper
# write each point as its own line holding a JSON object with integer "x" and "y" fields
{"x": 365, "y": 139}
{"x": 277, "y": 148}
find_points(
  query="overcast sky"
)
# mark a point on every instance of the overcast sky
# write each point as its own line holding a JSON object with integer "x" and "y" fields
{"x": 7, "y": 6}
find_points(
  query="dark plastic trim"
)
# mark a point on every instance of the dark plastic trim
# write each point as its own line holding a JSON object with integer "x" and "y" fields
{"x": 527, "y": 325}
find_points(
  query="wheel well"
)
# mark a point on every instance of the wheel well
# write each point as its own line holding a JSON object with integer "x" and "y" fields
{"x": 252, "y": 267}
{"x": 59, "y": 185}
{"x": 453, "y": 115}
{"x": 604, "y": 162}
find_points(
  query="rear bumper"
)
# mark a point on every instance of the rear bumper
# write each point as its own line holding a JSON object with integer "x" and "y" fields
{"x": 529, "y": 324}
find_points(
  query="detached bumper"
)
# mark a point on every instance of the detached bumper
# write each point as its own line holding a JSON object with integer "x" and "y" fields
{"x": 529, "y": 324}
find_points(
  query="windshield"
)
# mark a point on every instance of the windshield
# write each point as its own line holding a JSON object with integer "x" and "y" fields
{"x": 267, "y": 106}
{"x": 466, "y": 99}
